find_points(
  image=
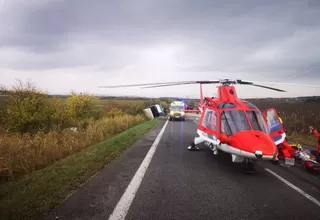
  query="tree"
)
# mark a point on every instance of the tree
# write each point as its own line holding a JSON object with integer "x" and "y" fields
{"x": 164, "y": 104}
{"x": 25, "y": 108}
{"x": 80, "y": 106}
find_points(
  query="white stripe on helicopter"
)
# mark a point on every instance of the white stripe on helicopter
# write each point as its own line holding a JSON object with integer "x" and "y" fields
{"x": 237, "y": 155}
{"x": 283, "y": 137}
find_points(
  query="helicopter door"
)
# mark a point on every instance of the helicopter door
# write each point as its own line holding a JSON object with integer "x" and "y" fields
{"x": 275, "y": 128}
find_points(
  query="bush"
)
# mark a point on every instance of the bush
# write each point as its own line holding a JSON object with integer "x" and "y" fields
{"x": 136, "y": 109}
{"x": 164, "y": 104}
{"x": 23, "y": 153}
{"x": 38, "y": 129}
{"x": 80, "y": 106}
{"x": 115, "y": 112}
{"x": 25, "y": 109}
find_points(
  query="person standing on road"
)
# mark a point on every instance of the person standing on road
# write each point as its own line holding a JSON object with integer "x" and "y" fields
{"x": 316, "y": 153}
{"x": 280, "y": 119}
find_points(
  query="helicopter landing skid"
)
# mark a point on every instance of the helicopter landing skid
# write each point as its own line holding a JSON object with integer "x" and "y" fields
{"x": 193, "y": 148}
{"x": 193, "y": 145}
{"x": 249, "y": 166}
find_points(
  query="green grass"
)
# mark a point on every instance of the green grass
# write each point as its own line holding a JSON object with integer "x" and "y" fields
{"x": 36, "y": 194}
{"x": 308, "y": 140}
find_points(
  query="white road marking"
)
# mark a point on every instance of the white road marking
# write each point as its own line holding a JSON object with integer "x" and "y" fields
{"x": 315, "y": 201}
{"x": 122, "y": 208}
{"x": 306, "y": 195}
{"x": 194, "y": 118}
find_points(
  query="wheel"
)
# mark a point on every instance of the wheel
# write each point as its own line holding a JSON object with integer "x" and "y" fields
{"x": 249, "y": 167}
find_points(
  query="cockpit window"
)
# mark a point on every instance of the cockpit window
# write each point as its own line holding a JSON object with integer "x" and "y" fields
{"x": 257, "y": 121}
{"x": 250, "y": 105}
{"x": 233, "y": 121}
{"x": 226, "y": 105}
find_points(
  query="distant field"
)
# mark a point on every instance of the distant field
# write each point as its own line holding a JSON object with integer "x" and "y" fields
{"x": 119, "y": 102}
{"x": 103, "y": 102}
{"x": 297, "y": 117}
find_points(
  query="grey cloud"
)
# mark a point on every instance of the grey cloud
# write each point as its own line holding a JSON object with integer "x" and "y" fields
{"x": 248, "y": 38}
{"x": 149, "y": 20}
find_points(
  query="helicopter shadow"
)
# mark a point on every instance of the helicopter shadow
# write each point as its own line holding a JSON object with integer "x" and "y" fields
{"x": 223, "y": 162}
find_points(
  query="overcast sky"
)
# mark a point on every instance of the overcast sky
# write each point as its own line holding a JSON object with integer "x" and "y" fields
{"x": 79, "y": 44}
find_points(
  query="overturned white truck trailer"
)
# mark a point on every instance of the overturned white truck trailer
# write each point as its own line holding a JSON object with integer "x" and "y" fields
{"x": 154, "y": 111}
{"x": 148, "y": 113}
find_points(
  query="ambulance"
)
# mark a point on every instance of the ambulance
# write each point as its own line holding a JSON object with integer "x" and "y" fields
{"x": 177, "y": 111}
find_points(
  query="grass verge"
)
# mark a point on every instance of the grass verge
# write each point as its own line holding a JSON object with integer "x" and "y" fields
{"x": 308, "y": 140}
{"x": 34, "y": 195}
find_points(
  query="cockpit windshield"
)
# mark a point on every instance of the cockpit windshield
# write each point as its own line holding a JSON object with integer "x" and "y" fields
{"x": 176, "y": 108}
{"x": 257, "y": 121}
{"x": 233, "y": 121}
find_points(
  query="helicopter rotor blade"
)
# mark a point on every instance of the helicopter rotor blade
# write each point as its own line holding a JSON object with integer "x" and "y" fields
{"x": 160, "y": 84}
{"x": 254, "y": 83}
{"x": 268, "y": 87}
{"x": 142, "y": 84}
{"x": 222, "y": 81}
{"x": 163, "y": 85}
{"x": 241, "y": 82}
{"x": 288, "y": 84}
{"x": 183, "y": 83}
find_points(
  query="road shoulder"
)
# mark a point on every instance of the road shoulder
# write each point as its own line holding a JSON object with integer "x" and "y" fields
{"x": 97, "y": 198}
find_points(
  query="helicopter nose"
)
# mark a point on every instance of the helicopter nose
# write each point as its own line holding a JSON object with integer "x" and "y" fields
{"x": 255, "y": 142}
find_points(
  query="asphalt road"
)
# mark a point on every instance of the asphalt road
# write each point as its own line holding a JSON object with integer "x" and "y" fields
{"x": 181, "y": 184}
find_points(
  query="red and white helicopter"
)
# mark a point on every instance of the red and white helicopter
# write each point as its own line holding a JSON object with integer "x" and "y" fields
{"x": 232, "y": 125}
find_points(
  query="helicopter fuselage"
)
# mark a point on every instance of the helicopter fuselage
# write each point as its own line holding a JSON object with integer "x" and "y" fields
{"x": 257, "y": 147}
{"x": 236, "y": 127}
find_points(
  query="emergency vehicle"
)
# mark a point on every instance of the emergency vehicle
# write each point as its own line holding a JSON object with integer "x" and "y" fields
{"x": 177, "y": 111}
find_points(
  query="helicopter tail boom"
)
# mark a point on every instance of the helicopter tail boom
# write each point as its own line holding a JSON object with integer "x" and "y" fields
{"x": 201, "y": 98}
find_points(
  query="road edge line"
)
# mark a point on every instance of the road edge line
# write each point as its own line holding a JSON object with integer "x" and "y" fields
{"x": 122, "y": 207}
{"x": 306, "y": 195}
